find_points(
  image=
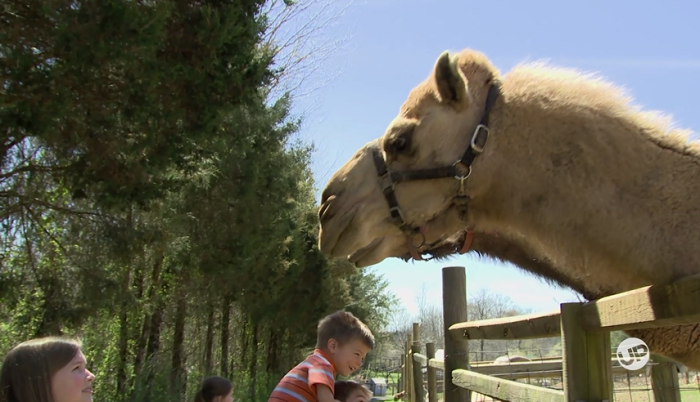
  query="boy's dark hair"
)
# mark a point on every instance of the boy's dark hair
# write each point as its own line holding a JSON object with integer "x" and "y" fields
{"x": 343, "y": 327}
{"x": 212, "y": 387}
{"x": 343, "y": 389}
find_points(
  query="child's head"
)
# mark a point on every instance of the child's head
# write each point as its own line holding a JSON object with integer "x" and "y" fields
{"x": 346, "y": 339}
{"x": 351, "y": 391}
{"x": 214, "y": 389}
{"x": 46, "y": 369}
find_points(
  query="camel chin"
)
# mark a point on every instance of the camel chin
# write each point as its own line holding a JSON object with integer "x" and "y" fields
{"x": 373, "y": 253}
{"x": 380, "y": 250}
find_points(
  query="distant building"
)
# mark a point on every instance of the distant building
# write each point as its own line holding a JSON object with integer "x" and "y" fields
{"x": 377, "y": 386}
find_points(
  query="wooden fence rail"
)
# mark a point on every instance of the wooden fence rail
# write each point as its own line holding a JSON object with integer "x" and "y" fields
{"x": 586, "y": 365}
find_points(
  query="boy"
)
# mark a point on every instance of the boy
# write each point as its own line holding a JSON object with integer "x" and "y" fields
{"x": 342, "y": 342}
{"x": 351, "y": 391}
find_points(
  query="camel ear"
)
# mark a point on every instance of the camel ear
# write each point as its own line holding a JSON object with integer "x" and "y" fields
{"x": 450, "y": 84}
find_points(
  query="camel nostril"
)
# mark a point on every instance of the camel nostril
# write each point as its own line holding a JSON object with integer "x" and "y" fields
{"x": 326, "y": 195}
{"x": 323, "y": 210}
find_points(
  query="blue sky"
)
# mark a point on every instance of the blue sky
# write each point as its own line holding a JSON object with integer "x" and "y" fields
{"x": 650, "y": 48}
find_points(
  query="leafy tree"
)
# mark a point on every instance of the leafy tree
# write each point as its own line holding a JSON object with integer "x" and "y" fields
{"x": 153, "y": 200}
{"x": 119, "y": 93}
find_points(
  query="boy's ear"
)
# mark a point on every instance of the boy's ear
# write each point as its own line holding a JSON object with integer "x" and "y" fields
{"x": 332, "y": 345}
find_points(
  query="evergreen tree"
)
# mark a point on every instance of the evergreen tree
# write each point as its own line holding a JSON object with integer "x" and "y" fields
{"x": 153, "y": 200}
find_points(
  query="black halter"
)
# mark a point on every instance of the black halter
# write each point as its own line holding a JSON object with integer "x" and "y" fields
{"x": 459, "y": 170}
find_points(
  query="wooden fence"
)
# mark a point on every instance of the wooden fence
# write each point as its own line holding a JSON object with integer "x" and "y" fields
{"x": 586, "y": 362}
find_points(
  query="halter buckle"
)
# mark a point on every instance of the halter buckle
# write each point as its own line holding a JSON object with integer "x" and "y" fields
{"x": 476, "y": 144}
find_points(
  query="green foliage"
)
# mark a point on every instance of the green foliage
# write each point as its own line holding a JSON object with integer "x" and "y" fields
{"x": 153, "y": 201}
{"x": 616, "y": 337}
{"x": 121, "y": 93}
{"x": 371, "y": 301}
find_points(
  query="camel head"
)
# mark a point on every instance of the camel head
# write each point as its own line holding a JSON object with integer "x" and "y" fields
{"x": 408, "y": 189}
{"x": 573, "y": 178}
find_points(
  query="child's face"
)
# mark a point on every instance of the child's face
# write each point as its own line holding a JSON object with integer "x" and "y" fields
{"x": 357, "y": 396}
{"x": 349, "y": 357}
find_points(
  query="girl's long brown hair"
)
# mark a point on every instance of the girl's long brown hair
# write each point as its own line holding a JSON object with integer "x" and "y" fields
{"x": 28, "y": 368}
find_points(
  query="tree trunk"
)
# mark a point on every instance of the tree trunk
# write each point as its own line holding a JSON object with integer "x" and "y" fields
{"x": 154, "y": 326}
{"x": 272, "y": 366}
{"x": 154, "y": 336}
{"x": 148, "y": 318}
{"x": 244, "y": 347}
{"x": 177, "y": 373}
{"x": 225, "y": 319}
{"x": 209, "y": 346}
{"x": 254, "y": 363}
{"x": 123, "y": 334}
{"x": 138, "y": 277}
{"x": 270, "y": 351}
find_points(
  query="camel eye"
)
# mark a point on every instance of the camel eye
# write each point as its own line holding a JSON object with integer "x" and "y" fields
{"x": 399, "y": 144}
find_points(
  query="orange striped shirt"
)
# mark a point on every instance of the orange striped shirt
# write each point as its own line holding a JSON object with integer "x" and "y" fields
{"x": 299, "y": 385}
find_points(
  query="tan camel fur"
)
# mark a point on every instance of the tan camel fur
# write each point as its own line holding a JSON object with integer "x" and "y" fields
{"x": 589, "y": 190}
{"x": 510, "y": 359}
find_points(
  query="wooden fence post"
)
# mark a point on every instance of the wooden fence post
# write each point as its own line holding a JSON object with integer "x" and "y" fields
{"x": 406, "y": 377}
{"x": 402, "y": 376}
{"x": 432, "y": 375}
{"x": 409, "y": 371}
{"x": 664, "y": 380}
{"x": 417, "y": 368}
{"x": 454, "y": 310}
{"x": 586, "y": 359}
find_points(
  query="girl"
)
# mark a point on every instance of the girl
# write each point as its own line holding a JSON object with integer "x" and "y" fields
{"x": 351, "y": 391}
{"x": 214, "y": 389}
{"x": 48, "y": 369}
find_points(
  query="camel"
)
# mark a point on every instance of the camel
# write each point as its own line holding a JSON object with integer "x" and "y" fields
{"x": 505, "y": 359}
{"x": 562, "y": 176}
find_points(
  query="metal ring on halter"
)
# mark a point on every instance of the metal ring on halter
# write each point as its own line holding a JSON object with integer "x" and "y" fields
{"x": 466, "y": 176}
{"x": 462, "y": 177}
{"x": 422, "y": 235}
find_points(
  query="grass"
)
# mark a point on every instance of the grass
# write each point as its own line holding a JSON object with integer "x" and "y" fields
{"x": 623, "y": 393}
{"x": 636, "y": 391}
{"x": 644, "y": 394}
